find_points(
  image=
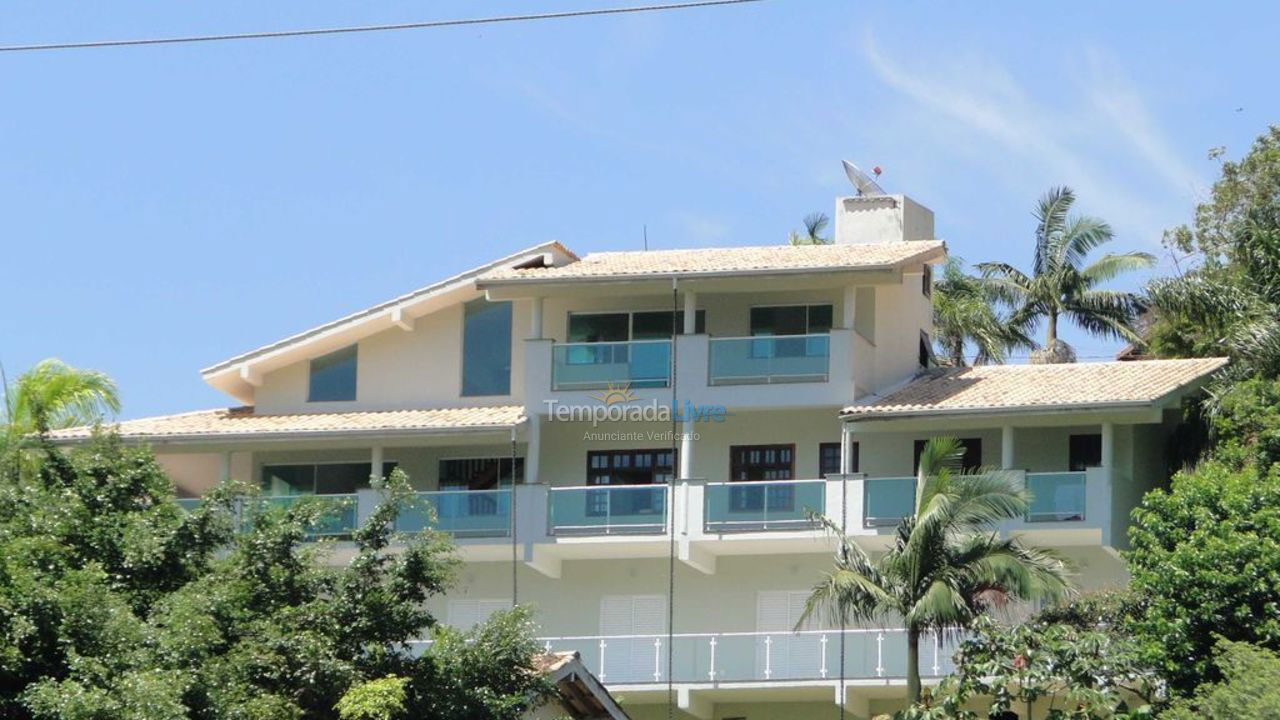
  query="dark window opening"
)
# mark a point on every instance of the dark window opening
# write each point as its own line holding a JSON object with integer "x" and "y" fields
{"x": 972, "y": 459}
{"x": 829, "y": 459}
{"x": 761, "y": 463}
{"x": 486, "y": 348}
{"x": 1085, "y": 451}
{"x": 791, "y": 319}
{"x": 319, "y": 478}
{"x": 925, "y": 351}
{"x": 926, "y": 281}
{"x": 628, "y": 467}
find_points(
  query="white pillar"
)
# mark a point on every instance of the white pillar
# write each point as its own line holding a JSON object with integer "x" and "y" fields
{"x": 533, "y": 450}
{"x": 1006, "y": 447}
{"x": 375, "y": 461}
{"x": 846, "y": 450}
{"x": 224, "y": 467}
{"x": 535, "y": 319}
{"x": 690, "y": 312}
{"x": 686, "y": 450}
{"x": 850, "y": 307}
{"x": 1108, "y": 445}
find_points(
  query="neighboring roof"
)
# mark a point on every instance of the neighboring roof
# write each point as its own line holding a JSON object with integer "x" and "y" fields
{"x": 233, "y": 376}
{"x": 1104, "y": 385}
{"x": 581, "y": 694}
{"x": 763, "y": 260}
{"x": 241, "y": 423}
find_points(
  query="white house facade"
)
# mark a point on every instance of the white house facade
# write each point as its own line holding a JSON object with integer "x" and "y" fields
{"x": 530, "y": 402}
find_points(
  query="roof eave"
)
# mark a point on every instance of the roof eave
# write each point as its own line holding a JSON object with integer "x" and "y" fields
{"x": 241, "y": 437}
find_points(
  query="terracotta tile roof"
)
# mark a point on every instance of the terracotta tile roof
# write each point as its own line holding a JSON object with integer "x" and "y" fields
{"x": 1028, "y": 387}
{"x": 242, "y": 422}
{"x": 722, "y": 261}
{"x": 549, "y": 662}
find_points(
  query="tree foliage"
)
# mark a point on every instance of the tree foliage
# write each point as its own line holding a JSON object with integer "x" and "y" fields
{"x": 1061, "y": 285}
{"x": 946, "y": 565}
{"x": 966, "y": 315}
{"x": 814, "y": 224}
{"x": 115, "y": 603}
{"x": 1249, "y": 690}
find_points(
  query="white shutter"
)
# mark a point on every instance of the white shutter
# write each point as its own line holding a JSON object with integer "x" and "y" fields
{"x": 465, "y": 614}
{"x": 786, "y": 655}
{"x": 632, "y": 659}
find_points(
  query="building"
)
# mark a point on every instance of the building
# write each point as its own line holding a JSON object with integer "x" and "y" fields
{"x": 800, "y": 379}
{"x": 577, "y": 693}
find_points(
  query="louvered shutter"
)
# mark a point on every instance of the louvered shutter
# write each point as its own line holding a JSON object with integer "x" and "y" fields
{"x": 632, "y": 659}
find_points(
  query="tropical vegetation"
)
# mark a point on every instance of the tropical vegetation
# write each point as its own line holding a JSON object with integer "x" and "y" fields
{"x": 966, "y": 317}
{"x": 117, "y": 603}
{"x": 814, "y": 224}
{"x": 53, "y": 395}
{"x": 946, "y": 565}
{"x": 1061, "y": 284}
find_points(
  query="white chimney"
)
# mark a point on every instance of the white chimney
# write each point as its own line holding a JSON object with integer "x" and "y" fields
{"x": 881, "y": 218}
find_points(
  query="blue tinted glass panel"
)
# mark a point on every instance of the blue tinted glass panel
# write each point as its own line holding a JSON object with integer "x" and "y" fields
{"x": 486, "y": 348}
{"x": 333, "y": 376}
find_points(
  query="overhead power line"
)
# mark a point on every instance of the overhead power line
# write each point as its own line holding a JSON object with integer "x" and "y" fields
{"x": 371, "y": 28}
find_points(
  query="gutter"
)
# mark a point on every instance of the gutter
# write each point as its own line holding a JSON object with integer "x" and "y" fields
{"x": 280, "y": 436}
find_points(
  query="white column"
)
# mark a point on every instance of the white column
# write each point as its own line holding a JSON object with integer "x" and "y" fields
{"x": 690, "y": 312}
{"x": 1006, "y": 447}
{"x": 375, "y": 461}
{"x": 224, "y": 467}
{"x": 850, "y": 307}
{"x": 535, "y": 319}
{"x": 533, "y": 450}
{"x": 846, "y": 450}
{"x": 686, "y": 450}
{"x": 1108, "y": 445}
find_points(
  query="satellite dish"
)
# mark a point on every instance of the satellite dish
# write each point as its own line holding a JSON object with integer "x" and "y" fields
{"x": 862, "y": 181}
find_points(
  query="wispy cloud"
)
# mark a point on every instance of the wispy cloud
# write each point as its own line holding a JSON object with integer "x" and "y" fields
{"x": 1093, "y": 132}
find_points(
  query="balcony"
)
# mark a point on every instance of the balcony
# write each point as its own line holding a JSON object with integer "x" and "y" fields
{"x": 754, "y": 657}
{"x": 769, "y": 360}
{"x": 338, "y": 520}
{"x": 1056, "y": 496}
{"x": 886, "y": 501}
{"x": 607, "y": 510}
{"x": 762, "y": 506}
{"x": 589, "y": 366}
{"x": 461, "y": 513}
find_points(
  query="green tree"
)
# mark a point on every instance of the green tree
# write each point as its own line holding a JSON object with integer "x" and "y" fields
{"x": 1249, "y": 690}
{"x": 1205, "y": 556}
{"x": 1061, "y": 285}
{"x": 115, "y": 603}
{"x": 814, "y": 224}
{"x": 965, "y": 315}
{"x": 947, "y": 564}
{"x": 1229, "y": 302}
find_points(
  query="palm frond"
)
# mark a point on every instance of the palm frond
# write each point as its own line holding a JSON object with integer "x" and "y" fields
{"x": 1080, "y": 236}
{"x": 1051, "y": 219}
{"x": 1112, "y": 265}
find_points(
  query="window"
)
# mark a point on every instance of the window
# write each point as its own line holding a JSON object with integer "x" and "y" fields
{"x": 829, "y": 459}
{"x": 748, "y": 463}
{"x": 791, "y": 319}
{"x": 972, "y": 459}
{"x": 479, "y": 473}
{"x": 1085, "y": 451}
{"x": 926, "y": 281}
{"x": 486, "y": 348}
{"x": 925, "y": 351}
{"x": 638, "y": 619}
{"x": 465, "y": 614}
{"x": 628, "y": 467}
{"x": 624, "y": 326}
{"x": 333, "y": 376}
{"x": 338, "y": 478}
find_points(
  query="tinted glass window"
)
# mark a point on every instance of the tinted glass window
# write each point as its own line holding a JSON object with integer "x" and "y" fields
{"x": 657, "y": 325}
{"x": 478, "y": 473}
{"x": 1086, "y": 452}
{"x": 318, "y": 478}
{"x": 333, "y": 376}
{"x": 599, "y": 327}
{"x": 819, "y": 318}
{"x": 829, "y": 459}
{"x": 486, "y": 348}
{"x": 791, "y": 319}
{"x": 972, "y": 454}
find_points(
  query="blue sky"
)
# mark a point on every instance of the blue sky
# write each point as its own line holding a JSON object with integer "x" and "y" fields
{"x": 165, "y": 208}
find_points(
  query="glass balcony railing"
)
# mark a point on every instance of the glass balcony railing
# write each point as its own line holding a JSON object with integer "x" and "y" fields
{"x": 608, "y": 510}
{"x": 765, "y": 360}
{"x": 763, "y": 506}
{"x": 1056, "y": 496}
{"x": 886, "y": 501}
{"x": 189, "y": 504}
{"x": 339, "y": 516}
{"x": 462, "y": 513}
{"x": 755, "y": 656}
{"x": 588, "y": 366}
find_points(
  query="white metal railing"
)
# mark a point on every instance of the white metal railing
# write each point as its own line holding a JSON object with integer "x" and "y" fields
{"x": 754, "y": 656}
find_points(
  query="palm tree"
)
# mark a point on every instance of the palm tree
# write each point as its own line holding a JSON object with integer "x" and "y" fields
{"x": 965, "y": 315}
{"x": 814, "y": 224}
{"x": 947, "y": 564}
{"x": 1060, "y": 287}
{"x": 55, "y": 395}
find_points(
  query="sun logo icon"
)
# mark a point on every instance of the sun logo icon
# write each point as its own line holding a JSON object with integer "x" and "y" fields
{"x": 615, "y": 394}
